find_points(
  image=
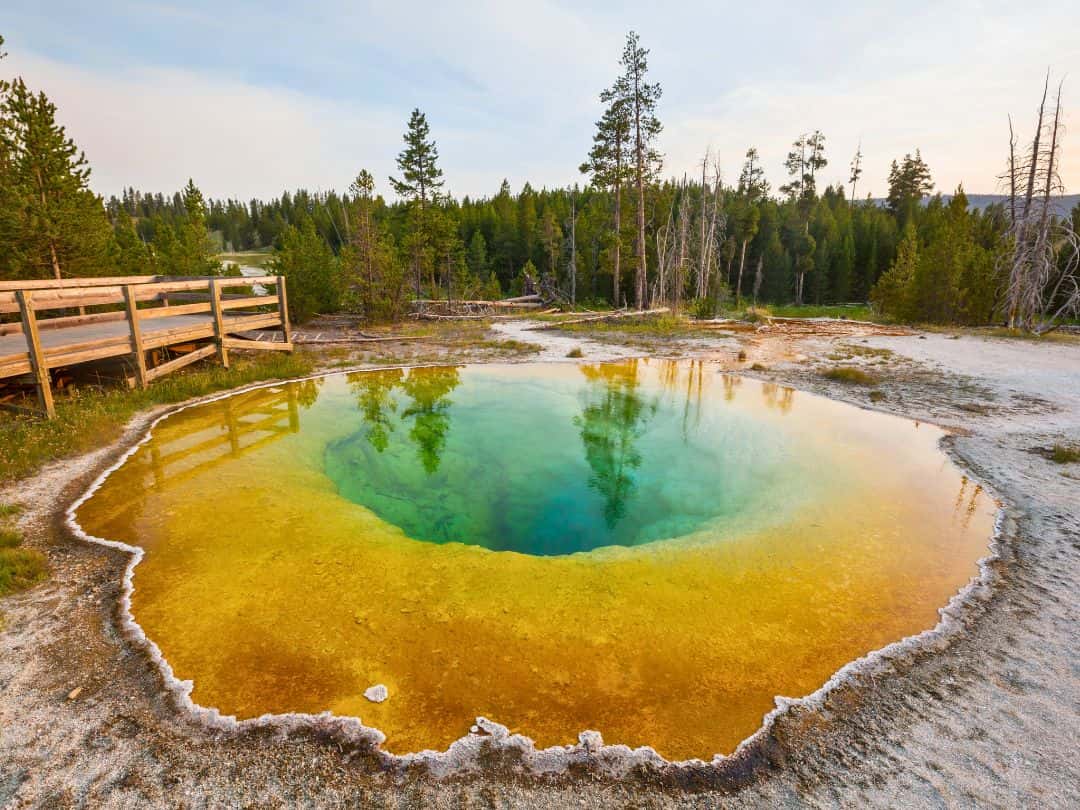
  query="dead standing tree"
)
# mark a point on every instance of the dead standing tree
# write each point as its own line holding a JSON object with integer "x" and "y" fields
{"x": 713, "y": 226}
{"x": 1043, "y": 258}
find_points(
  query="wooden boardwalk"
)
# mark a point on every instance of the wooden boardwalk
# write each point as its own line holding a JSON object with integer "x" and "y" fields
{"x": 139, "y": 317}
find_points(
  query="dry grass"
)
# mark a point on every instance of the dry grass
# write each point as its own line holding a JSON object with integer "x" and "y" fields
{"x": 19, "y": 567}
{"x": 1065, "y": 454}
{"x": 849, "y": 375}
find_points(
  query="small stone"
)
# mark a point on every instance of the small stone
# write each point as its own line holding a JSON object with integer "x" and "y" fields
{"x": 377, "y": 693}
{"x": 74, "y": 693}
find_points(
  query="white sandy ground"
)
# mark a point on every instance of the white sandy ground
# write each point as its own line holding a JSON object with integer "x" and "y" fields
{"x": 988, "y": 717}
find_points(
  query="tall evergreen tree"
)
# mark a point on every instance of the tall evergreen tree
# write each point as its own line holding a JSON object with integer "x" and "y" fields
{"x": 608, "y": 163}
{"x": 641, "y": 98}
{"x": 909, "y": 182}
{"x": 51, "y": 224}
{"x": 421, "y": 177}
{"x": 420, "y": 184}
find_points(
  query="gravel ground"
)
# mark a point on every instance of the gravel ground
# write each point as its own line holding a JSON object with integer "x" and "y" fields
{"x": 982, "y": 714}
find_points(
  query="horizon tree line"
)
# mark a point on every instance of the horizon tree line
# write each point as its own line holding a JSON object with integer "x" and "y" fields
{"x": 694, "y": 243}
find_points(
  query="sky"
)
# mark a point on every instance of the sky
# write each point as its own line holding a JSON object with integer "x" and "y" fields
{"x": 250, "y": 99}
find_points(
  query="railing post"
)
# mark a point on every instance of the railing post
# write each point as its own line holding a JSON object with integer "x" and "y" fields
{"x": 37, "y": 356}
{"x": 136, "y": 335}
{"x": 283, "y": 308}
{"x": 219, "y": 323}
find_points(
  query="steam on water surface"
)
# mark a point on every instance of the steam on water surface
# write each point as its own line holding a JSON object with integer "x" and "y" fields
{"x": 649, "y": 549}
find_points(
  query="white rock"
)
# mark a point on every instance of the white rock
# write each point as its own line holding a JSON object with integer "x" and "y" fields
{"x": 377, "y": 693}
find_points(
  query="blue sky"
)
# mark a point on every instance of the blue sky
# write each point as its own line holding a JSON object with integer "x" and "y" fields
{"x": 251, "y": 98}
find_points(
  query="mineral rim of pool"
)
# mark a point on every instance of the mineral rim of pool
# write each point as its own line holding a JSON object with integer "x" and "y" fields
{"x": 650, "y": 549}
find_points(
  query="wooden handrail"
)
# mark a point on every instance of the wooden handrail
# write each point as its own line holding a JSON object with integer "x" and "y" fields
{"x": 54, "y": 297}
{"x": 74, "y": 339}
{"x": 111, "y": 281}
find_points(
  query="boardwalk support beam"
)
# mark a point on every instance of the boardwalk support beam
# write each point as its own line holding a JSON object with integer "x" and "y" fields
{"x": 38, "y": 366}
{"x": 136, "y": 337}
{"x": 219, "y": 325}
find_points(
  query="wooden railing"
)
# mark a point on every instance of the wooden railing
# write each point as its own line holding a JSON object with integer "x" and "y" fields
{"x": 212, "y": 311}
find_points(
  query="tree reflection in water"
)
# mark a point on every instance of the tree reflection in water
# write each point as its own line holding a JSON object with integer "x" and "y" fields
{"x": 374, "y": 395}
{"x": 428, "y": 390}
{"x": 612, "y": 420}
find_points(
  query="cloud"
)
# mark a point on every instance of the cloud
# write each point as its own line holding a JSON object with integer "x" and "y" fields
{"x": 153, "y": 128}
{"x": 250, "y": 99}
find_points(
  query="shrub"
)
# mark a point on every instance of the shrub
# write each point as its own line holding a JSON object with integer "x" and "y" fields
{"x": 702, "y": 309}
{"x": 849, "y": 375}
{"x": 1064, "y": 454}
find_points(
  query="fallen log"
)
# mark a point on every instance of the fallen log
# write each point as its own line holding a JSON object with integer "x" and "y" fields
{"x": 608, "y": 316}
{"x": 301, "y": 340}
{"x": 525, "y": 302}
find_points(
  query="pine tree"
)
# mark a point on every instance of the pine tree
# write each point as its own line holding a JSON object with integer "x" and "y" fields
{"x": 609, "y": 166}
{"x": 856, "y": 171}
{"x": 373, "y": 281}
{"x": 551, "y": 237}
{"x": 420, "y": 184}
{"x": 641, "y": 99}
{"x": 128, "y": 254}
{"x": 51, "y": 224}
{"x": 752, "y": 182}
{"x": 310, "y": 268}
{"x": 183, "y": 247}
{"x": 476, "y": 258}
{"x": 421, "y": 177}
{"x": 909, "y": 182}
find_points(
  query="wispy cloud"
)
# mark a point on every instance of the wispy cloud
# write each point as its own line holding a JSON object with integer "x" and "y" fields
{"x": 253, "y": 98}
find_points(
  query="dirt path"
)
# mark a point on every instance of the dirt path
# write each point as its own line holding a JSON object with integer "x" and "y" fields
{"x": 986, "y": 718}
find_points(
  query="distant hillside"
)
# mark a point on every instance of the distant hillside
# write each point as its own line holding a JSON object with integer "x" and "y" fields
{"x": 1062, "y": 205}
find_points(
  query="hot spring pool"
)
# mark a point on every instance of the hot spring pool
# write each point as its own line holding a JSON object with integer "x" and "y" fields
{"x": 649, "y": 549}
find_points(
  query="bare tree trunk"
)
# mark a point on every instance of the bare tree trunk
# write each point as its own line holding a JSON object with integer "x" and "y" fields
{"x": 642, "y": 270}
{"x": 758, "y": 277}
{"x": 703, "y": 258}
{"x": 641, "y": 276}
{"x": 618, "y": 240}
{"x": 573, "y": 250}
{"x": 684, "y": 227}
{"x": 742, "y": 263}
{"x": 55, "y": 259}
{"x": 663, "y": 254}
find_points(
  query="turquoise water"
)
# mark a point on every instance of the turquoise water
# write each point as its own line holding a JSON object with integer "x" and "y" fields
{"x": 555, "y": 463}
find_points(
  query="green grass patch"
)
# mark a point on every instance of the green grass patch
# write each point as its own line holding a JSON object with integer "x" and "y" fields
{"x": 849, "y": 375}
{"x": 1065, "y": 454}
{"x": 851, "y": 312}
{"x": 88, "y": 417}
{"x": 1019, "y": 334}
{"x": 21, "y": 568}
{"x": 9, "y": 538}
